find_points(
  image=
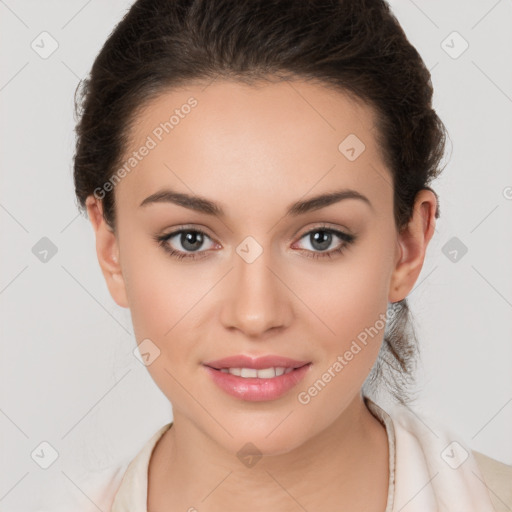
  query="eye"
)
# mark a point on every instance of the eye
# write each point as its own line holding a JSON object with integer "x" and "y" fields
{"x": 321, "y": 238}
{"x": 190, "y": 240}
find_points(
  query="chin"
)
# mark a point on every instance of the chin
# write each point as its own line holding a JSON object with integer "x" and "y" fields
{"x": 268, "y": 438}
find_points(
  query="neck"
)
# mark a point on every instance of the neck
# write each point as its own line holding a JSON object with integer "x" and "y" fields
{"x": 344, "y": 467}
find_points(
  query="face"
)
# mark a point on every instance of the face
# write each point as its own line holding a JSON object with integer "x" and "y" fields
{"x": 257, "y": 268}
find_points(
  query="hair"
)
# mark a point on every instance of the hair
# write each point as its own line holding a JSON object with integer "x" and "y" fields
{"x": 356, "y": 47}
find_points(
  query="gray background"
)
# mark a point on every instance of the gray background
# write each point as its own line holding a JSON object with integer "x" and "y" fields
{"x": 68, "y": 374}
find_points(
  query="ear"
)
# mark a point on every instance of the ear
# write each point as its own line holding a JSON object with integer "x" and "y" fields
{"x": 412, "y": 244}
{"x": 107, "y": 250}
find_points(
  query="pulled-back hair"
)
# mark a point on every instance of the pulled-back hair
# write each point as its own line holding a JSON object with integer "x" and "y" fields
{"x": 353, "y": 46}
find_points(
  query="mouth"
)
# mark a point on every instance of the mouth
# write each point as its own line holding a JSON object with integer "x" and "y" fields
{"x": 264, "y": 383}
{"x": 254, "y": 373}
{"x": 248, "y": 362}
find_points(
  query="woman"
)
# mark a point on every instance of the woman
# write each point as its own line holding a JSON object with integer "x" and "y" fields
{"x": 257, "y": 176}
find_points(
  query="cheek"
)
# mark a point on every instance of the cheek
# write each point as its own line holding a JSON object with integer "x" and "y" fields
{"x": 347, "y": 298}
{"x": 161, "y": 306}
{"x": 166, "y": 305}
{"x": 353, "y": 305}
{"x": 154, "y": 290}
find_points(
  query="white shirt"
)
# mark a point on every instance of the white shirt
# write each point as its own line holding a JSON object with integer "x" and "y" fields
{"x": 430, "y": 469}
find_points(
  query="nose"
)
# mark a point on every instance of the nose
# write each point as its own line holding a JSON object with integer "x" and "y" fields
{"x": 257, "y": 299}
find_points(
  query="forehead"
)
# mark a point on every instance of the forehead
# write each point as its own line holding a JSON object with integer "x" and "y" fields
{"x": 272, "y": 141}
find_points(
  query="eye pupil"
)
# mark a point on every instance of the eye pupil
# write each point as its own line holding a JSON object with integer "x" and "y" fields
{"x": 191, "y": 238}
{"x": 323, "y": 238}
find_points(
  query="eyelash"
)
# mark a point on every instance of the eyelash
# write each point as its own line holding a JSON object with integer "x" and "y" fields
{"x": 348, "y": 240}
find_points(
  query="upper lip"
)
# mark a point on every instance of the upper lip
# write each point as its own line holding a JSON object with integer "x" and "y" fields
{"x": 258, "y": 363}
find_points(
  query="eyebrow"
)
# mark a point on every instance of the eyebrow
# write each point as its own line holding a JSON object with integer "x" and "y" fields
{"x": 203, "y": 205}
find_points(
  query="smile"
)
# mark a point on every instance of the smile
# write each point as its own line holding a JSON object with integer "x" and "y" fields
{"x": 257, "y": 385}
{"x": 250, "y": 373}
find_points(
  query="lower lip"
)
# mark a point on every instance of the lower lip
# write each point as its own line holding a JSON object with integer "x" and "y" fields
{"x": 255, "y": 389}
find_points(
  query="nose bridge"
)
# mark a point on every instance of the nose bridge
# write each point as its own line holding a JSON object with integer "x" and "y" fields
{"x": 257, "y": 299}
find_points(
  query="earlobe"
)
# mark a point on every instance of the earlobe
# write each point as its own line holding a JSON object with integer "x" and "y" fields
{"x": 107, "y": 250}
{"x": 412, "y": 245}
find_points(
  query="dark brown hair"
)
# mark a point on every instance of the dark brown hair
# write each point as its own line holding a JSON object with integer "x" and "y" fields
{"x": 353, "y": 46}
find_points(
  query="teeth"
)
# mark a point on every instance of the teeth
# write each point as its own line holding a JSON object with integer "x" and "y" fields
{"x": 265, "y": 373}
{"x": 249, "y": 372}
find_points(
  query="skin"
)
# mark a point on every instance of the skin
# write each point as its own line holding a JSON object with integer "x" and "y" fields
{"x": 256, "y": 150}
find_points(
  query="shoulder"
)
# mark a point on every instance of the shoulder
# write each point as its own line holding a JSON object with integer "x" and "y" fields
{"x": 89, "y": 492}
{"x": 479, "y": 481}
{"x": 101, "y": 489}
{"x": 132, "y": 492}
{"x": 498, "y": 479}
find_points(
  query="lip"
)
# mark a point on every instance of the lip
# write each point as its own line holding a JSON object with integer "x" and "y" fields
{"x": 257, "y": 363}
{"x": 254, "y": 389}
